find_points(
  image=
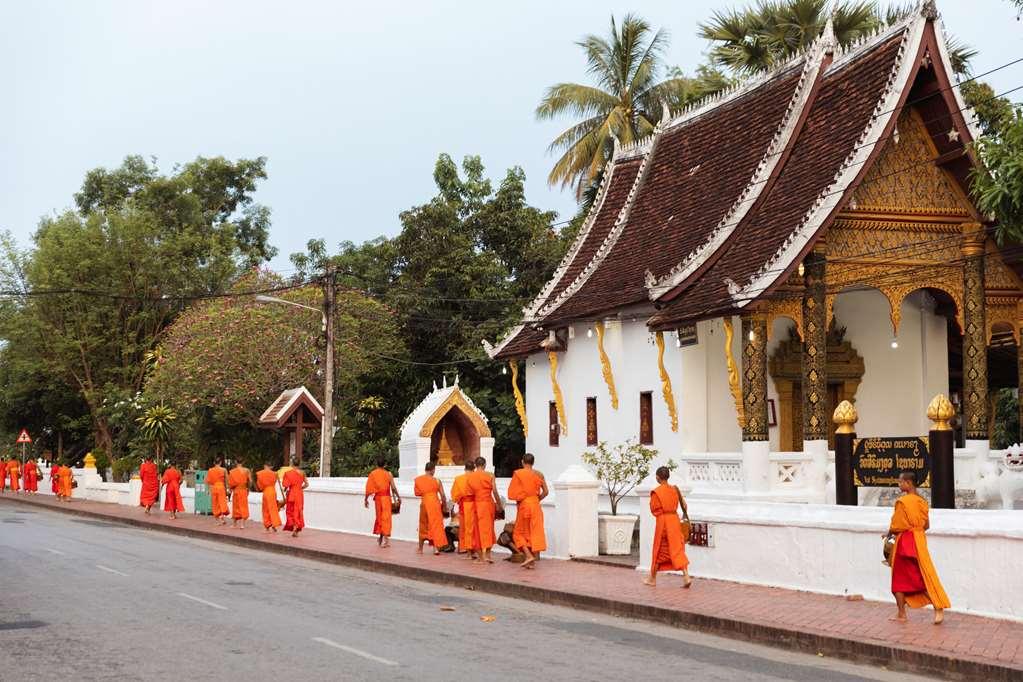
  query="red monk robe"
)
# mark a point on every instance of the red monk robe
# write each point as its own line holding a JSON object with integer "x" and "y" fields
{"x": 238, "y": 482}
{"x": 66, "y": 477}
{"x": 294, "y": 482}
{"x": 31, "y": 476}
{"x": 913, "y": 573}
{"x": 172, "y": 501}
{"x": 468, "y": 537}
{"x": 266, "y": 483}
{"x": 669, "y": 552}
{"x": 216, "y": 479}
{"x": 431, "y": 512}
{"x": 378, "y": 484}
{"x": 150, "y": 484}
{"x": 481, "y": 485}
{"x": 3, "y": 476}
{"x": 55, "y": 478}
{"x": 525, "y": 488}
{"x": 13, "y": 473}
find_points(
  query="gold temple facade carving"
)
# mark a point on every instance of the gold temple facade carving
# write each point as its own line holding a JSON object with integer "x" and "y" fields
{"x": 605, "y": 366}
{"x": 669, "y": 396}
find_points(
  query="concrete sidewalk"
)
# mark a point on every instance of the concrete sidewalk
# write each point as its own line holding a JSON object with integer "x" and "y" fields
{"x": 963, "y": 647}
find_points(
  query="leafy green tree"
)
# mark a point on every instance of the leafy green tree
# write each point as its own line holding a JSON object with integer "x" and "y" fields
{"x": 998, "y": 186}
{"x": 103, "y": 281}
{"x": 630, "y": 85}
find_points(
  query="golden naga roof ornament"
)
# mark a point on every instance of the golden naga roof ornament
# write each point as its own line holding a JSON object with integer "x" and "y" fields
{"x": 520, "y": 403}
{"x": 669, "y": 397}
{"x": 605, "y": 365}
{"x": 941, "y": 411}
{"x": 845, "y": 417}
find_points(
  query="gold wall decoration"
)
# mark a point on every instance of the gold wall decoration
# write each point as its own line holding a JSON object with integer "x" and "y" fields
{"x": 559, "y": 400}
{"x": 975, "y": 406}
{"x": 733, "y": 372}
{"x": 754, "y": 377}
{"x": 790, "y": 307}
{"x": 814, "y": 356}
{"x": 605, "y": 366}
{"x": 456, "y": 401}
{"x": 669, "y": 397}
{"x": 520, "y": 403}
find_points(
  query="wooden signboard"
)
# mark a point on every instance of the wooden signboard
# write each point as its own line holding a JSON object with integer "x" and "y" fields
{"x": 877, "y": 462}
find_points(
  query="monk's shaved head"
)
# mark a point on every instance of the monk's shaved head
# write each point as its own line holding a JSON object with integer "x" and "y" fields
{"x": 381, "y": 461}
{"x": 470, "y": 465}
{"x": 528, "y": 459}
{"x": 430, "y": 466}
{"x": 663, "y": 473}
{"x": 908, "y": 477}
{"x": 481, "y": 463}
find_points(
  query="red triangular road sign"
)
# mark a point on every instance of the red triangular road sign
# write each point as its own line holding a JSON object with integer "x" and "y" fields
{"x": 23, "y": 437}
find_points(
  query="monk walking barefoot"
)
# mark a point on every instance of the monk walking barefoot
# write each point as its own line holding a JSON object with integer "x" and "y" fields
{"x": 914, "y": 579}
{"x": 239, "y": 481}
{"x": 266, "y": 483}
{"x": 294, "y": 484}
{"x": 468, "y": 538}
{"x": 150, "y": 478}
{"x": 528, "y": 487}
{"x": 216, "y": 482}
{"x": 433, "y": 501}
{"x": 55, "y": 478}
{"x": 67, "y": 482}
{"x": 380, "y": 484}
{"x": 669, "y": 551}
{"x": 487, "y": 501}
{"x": 172, "y": 501}
{"x": 13, "y": 469}
{"x": 31, "y": 477}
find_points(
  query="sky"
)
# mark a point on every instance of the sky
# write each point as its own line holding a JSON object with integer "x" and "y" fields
{"x": 351, "y": 103}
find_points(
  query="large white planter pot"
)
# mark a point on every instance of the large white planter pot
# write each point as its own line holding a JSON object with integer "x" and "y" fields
{"x": 614, "y": 533}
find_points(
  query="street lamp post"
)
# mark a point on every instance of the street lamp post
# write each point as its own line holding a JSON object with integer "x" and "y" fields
{"x": 327, "y": 428}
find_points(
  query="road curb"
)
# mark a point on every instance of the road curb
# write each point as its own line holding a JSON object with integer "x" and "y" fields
{"x": 893, "y": 657}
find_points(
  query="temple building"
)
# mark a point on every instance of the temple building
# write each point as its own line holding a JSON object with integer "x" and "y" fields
{"x": 802, "y": 239}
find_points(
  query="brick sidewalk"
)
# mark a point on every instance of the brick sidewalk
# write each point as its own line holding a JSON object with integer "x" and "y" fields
{"x": 966, "y": 647}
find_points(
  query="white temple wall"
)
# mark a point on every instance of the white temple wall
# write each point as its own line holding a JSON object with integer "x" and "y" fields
{"x": 723, "y": 433}
{"x": 779, "y": 333}
{"x": 898, "y": 383}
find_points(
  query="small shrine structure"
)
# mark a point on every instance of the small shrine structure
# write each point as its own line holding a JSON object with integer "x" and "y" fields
{"x": 293, "y": 412}
{"x": 446, "y": 428}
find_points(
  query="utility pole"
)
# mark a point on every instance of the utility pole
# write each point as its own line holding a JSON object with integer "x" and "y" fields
{"x": 327, "y": 429}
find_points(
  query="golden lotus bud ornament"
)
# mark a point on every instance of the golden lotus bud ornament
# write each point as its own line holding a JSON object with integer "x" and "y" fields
{"x": 941, "y": 411}
{"x": 845, "y": 417}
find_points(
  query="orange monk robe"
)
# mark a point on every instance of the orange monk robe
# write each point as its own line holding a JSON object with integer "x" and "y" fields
{"x": 172, "y": 501}
{"x": 13, "y": 469}
{"x": 525, "y": 488}
{"x": 295, "y": 501}
{"x": 238, "y": 482}
{"x": 150, "y": 484}
{"x": 378, "y": 484}
{"x": 669, "y": 552}
{"x": 481, "y": 484}
{"x": 431, "y": 513}
{"x": 31, "y": 476}
{"x": 216, "y": 478}
{"x": 909, "y": 518}
{"x": 266, "y": 482}
{"x": 65, "y": 481}
{"x": 461, "y": 495}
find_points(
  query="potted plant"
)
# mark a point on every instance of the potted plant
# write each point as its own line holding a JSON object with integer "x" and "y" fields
{"x": 621, "y": 468}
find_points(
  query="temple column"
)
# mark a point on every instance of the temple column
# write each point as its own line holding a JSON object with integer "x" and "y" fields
{"x": 975, "y": 404}
{"x": 814, "y": 369}
{"x": 756, "y": 447}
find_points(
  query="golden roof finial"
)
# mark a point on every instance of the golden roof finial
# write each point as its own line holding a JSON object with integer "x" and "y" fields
{"x": 941, "y": 411}
{"x": 845, "y": 417}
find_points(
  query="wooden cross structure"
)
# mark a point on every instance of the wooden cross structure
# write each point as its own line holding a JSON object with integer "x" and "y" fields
{"x": 294, "y": 411}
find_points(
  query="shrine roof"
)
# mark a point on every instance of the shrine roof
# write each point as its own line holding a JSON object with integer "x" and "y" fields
{"x": 439, "y": 400}
{"x": 715, "y": 208}
{"x": 287, "y": 402}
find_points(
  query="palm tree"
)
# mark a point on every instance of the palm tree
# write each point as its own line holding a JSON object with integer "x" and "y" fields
{"x": 155, "y": 424}
{"x": 757, "y": 38}
{"x": 625, "y": 100}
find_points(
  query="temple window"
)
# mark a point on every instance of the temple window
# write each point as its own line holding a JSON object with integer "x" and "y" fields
{"x": 591, "y": 421}
{"x": 646, "y": 418}
{"x": 554, "y": 430}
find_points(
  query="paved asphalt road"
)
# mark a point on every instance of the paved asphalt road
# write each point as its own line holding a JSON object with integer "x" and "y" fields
{"x": 90, "y": 600}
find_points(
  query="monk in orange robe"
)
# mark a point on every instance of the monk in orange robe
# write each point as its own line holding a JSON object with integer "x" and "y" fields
{"x": 266, "y": 483}
{"x": 432, "y": 504}
{"x": 216, "y": 480}
{"x": 13, "y": 471}
{"x": 914, "y": 579}
{"x": 380, "y": 484}
{"x": 669, "y": 552}
{"x": 150, "y": 477}
{"x": 487, "y": 501}
{"x": 67, "y": 478}
{"x": 31, "y": 477}
{"x": 172, "y": 501}
{"x": 461, "y": 496}
{"x": 239, "y": 481}
{"x": 294, "y": 483}
{"x": 528, "y": 487}
{"x": 55, "y": 478}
